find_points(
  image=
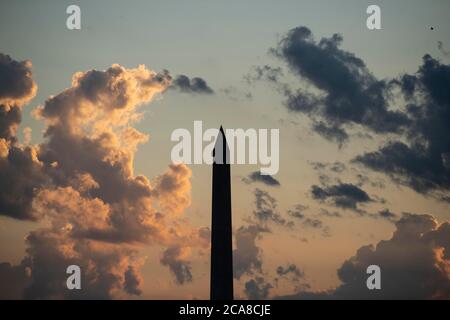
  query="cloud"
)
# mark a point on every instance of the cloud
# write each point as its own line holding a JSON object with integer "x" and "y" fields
{"x": 326, "y": 213}
{"x": 346, "y": 93}
{"x": 257, "y": 289}
{"x": 81, "y": 181}
{"x": 423, "y": 161}
{"x": 21, "y": 173}
{"x": 386, "y": 214}
{"x": 265, "y": 73}
{"x": 176, "y": 259}
{"x": 256, "y": 176}
{"x": 342, "y": 195}
{"x": 17, "y": 86}
{"x": 20, "y": 167}
{"x": 298, "y": 211}
{"x": 442, "y": 49}
{"x": 105, "y": 267}
{"x": 194, "y": 85}
{"x": 414, "y": 264}
{"x": 173, "y": 188}
{"x": 341, "y": 92}
{"x": 236, "y": 94}
{"x": 332, "y": 133}
{"x": 266, "y": 209}
{"x": 132, "y": 281}
{"x": 247, "y": 255}
{"x": 14, "y": 280}
{"x": 337, "y": 166}
{"x": 297, "y": 274}
{"x": 313, "y": 223}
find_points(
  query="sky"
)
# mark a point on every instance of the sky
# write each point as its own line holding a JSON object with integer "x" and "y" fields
{"x": 87, "y": 176}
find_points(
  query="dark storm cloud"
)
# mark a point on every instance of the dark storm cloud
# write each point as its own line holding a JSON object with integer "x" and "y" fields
{"x": 414, "y": 264}
{"x": 256, "y": 176}
{"x": 257, "y": 289}
{"x": 191, "y": 85}
{"x": 349, "y": 93}
{"x": 423, "y": 162}
{"x": 343, "y": 195}
{"x": 411, "y": 166}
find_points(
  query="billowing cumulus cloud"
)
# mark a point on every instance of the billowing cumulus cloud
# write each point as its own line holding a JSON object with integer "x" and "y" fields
{"x": 81, "y": 181}
{"x": 17, "y": 86}
{"x": 21, "y": 173}
{"x": 414, "y": 264}
{"x": 20, "y": 168}
{"x": 191, "y": 85}
{"x": 173, "y": 189}
{"x": 105, "y": 267}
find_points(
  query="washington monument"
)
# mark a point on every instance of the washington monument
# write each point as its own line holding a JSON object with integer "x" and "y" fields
{"x": 221, "y": 231}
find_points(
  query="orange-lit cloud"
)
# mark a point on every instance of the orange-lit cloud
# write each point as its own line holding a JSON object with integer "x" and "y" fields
{"x": 98, "y": 214}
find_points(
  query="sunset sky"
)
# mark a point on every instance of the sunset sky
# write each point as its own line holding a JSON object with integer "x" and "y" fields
{"x": 86, "y": 175}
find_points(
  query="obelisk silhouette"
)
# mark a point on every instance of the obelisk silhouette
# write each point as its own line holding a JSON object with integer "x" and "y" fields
{"x": 221, "y": 231}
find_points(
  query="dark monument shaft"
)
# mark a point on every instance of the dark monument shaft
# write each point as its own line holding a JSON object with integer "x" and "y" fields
{"x": 221, "y": 231}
